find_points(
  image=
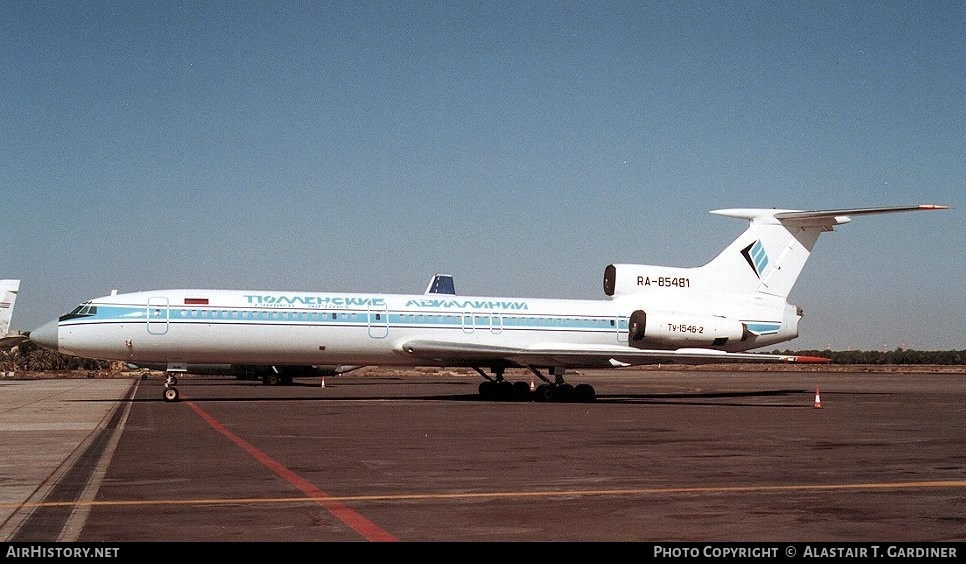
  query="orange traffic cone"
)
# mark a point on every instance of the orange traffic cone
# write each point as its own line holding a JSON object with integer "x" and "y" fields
{"x": 322, "y": 385}
{"x": 818, "y": 399}
{"x": 533, "y": 385}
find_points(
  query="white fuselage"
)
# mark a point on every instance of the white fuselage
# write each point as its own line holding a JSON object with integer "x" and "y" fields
{"x": 270, "y": 327}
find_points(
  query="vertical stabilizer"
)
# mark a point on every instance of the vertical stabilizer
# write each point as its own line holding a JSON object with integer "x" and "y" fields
{"x": 8, "y": 297}
{"x": 441, "y": 284}
{"x": 769, "y": 256}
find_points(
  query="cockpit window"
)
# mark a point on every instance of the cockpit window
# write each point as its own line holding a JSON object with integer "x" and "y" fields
{"x": 83, "y": 310}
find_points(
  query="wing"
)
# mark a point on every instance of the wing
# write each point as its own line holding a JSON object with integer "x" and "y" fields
{"x": 580, "y": 356}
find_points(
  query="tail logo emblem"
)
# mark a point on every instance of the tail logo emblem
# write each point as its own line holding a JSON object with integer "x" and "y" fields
{"x": 757, "y": 257}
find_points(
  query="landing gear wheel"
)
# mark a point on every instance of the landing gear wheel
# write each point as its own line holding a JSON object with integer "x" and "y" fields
{"x": 521, "y": 391}
{"x": 584, "y": 393}
{"x": 504, "y": 391}
{"x": 272, "y": 379}
{"x": 171, "y": 394}
{"x": 144, "y": 376}
{"x": 487, "y": 390}
{"x": 564, "y": 392}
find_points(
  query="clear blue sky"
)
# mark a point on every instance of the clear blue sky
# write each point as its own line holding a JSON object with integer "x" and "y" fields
{"x": 520, "y": 146}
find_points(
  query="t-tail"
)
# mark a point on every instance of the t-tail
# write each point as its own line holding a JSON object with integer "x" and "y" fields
{"x": 740, "y": 294}
{"x": 766, "y": 259}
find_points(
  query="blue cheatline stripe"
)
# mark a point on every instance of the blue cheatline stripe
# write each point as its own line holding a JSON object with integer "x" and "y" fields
{"x": 214, "y": 315}
{"x": 763, "y": 328}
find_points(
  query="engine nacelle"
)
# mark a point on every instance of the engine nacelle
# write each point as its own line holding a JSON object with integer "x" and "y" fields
{"x": 645, "y": 330}
{"x": 622, "y": 279}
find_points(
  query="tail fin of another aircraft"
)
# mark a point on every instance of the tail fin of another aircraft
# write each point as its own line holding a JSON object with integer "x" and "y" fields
{"x": 441, "y": 284}
{"x": 767, "y": 258}
{"x": 8, "y": 297}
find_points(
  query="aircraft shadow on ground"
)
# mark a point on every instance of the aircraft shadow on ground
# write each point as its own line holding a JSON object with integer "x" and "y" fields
{"x": 695, "y": 398}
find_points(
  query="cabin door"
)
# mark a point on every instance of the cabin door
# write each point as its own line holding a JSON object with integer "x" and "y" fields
{"x": 378, "y": 321}
{"x": 158, "y": 315}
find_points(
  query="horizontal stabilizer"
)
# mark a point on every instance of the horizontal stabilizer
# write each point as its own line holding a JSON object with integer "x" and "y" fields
{"x": 799, "y": 215}
{"x": 822, "y": 216}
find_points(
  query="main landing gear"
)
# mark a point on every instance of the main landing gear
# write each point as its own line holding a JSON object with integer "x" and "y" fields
{"x": 497, "y": 388}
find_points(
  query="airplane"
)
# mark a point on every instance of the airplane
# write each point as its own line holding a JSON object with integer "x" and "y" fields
{"x": 8, "y": 298}
{"x": 713, "y": 313}
{"x": 274, "y": 375}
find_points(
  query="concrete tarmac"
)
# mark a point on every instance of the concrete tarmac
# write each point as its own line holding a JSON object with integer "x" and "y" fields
{"x": 662, "y": 455}
{"x": 45, "y": 427}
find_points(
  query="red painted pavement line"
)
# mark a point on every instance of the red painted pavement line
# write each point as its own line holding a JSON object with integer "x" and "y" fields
{"x": 347, "y": 515}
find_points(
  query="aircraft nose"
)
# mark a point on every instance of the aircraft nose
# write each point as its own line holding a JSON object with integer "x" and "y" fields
{"x": 47, "y": 335}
